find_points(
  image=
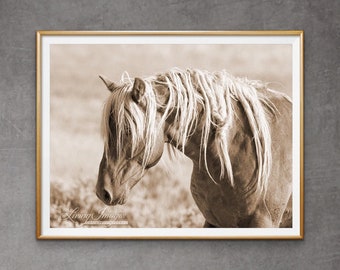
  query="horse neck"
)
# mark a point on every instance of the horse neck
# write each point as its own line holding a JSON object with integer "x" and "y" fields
{"x": 192, "y": 148}
{"x": 186, "y": 135}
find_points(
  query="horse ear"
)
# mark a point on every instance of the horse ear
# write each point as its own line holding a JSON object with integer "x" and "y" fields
{"x": 138, "y": 90}
{"x": 109, "y": 84}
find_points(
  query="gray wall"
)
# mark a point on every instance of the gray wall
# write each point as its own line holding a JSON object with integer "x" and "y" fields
{"x": 19, "y": 20}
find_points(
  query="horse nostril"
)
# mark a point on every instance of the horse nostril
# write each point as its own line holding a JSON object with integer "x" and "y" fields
{"x": 107, "y": 197}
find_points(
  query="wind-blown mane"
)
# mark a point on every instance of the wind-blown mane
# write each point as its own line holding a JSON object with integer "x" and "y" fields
{"x": 196, "y": 99}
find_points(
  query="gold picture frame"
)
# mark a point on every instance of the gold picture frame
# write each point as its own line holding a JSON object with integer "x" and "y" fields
{"x": 53, "y": 129}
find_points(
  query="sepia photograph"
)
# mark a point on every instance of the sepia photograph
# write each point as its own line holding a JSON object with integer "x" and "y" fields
{"x": 170, "y": 135}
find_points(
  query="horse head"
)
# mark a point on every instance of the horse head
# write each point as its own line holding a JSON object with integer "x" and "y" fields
{"x": 133, "y": 138}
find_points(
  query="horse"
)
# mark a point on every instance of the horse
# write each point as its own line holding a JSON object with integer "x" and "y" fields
{"x": 236, "y": 131}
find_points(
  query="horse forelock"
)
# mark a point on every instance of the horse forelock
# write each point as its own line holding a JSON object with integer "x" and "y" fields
{"x": 130, "y": 121}
{"x": 195, "y": 98}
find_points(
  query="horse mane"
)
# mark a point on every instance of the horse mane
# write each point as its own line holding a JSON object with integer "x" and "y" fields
{"x": 195, "y": 98}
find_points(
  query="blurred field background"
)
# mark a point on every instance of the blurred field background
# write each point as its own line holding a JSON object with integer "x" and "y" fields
{"x": 162, "y": 198}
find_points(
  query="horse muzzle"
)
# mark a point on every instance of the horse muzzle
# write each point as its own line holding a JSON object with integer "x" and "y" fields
{"x": 109, "y": 199}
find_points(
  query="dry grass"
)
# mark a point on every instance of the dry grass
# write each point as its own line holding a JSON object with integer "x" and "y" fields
{"x": 162, "y": 198}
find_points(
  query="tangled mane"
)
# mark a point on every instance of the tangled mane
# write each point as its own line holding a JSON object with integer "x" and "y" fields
{"x": 196, "y": 98}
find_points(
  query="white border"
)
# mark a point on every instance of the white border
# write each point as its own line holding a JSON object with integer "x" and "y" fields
{"x": 294, "y": 40}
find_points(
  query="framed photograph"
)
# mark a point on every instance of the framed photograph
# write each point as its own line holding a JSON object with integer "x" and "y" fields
{"x": 169, "y": 135}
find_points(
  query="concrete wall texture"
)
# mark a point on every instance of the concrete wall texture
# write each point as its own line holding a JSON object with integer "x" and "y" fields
{"x": 20, "y": 19}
